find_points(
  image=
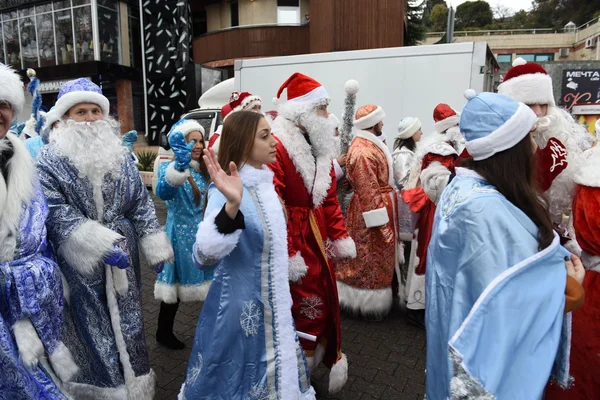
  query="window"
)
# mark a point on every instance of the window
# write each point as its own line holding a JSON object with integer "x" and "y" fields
{"x": 29, "y": 49}
{"x": 63, "y": 25}
{"x": 288, "y": 11}
{"x": 84, "y": 45}
{"x": 2, "y": 46}
{"x": 504, "y": 58}
{"x": 10, "y": 30}
{"x": 537, "y": 57}
{"x": 45, "y": 31}
{"x": 135, "y": 37}
{"x": 108, "y": 26}
{"x": 235, "y": 13}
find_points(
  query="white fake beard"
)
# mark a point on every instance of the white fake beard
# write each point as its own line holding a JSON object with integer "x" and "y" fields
{"x": 94, "y": 148}
{"x": 320, "y": 131}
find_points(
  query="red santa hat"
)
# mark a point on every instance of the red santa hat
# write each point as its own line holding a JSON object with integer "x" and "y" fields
{"x": 302, "y": 90}
{"x": 445, "y": 117}
{"x": 243, "y": 101}
{"x": 527, "y": 83}
{"x": 368, "y": 116}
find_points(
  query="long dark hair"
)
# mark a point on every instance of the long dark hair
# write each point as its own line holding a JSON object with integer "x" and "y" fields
{"x": 512, "y": 172}
{"x": 409, "y": 143}
{"x": 237, "y": 138}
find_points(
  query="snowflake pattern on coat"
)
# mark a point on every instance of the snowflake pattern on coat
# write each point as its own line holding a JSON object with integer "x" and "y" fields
{"x": 261, "y": 392}
{"x": 250, "y": 318}
{"x": 311, "y": 306}
{"x": 195, "y": 371}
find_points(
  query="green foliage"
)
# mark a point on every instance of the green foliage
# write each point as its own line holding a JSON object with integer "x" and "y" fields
{"x": 473, "y": 14}
{"x": 428, "y": 10}
{"x": 415, "y": 29}
{"x": 146, "y": 160}
{"x": 557, "y": 13}
{"x": 438, "y": 18}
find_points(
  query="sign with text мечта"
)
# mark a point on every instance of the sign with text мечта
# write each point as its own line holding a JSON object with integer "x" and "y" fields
{"x": 581, "y": 86}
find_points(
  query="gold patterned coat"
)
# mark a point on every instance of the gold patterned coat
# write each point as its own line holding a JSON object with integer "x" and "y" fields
{"x": 365, "y": 283}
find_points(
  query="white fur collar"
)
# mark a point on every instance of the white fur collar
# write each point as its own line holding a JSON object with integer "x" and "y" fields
{"x": 589, "y": 173}
{"x": 386, "y": 152}
{"x": 13, "y": 194}
{"x": 252, "y": 177}
{"x": 315, "y": 175}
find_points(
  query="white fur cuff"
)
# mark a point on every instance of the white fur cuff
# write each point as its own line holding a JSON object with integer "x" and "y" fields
{"x": 434, "y": 180}
{"x": 87, "y": 246}
{"x": 590, "y": 262}
{"x": 376, "y": 218}
{"x": 297, "y": 267}
{"x": 29, "y": 344}
{"x": 211, "y": 245}
{"x": 169, "y": 293}
{"x": 338, "y": 375}
{"x": 63, "y": 364}
{"x": 343, "y": 248}
{"x": 174, "y": 177}
{"x": 156, "y": 248}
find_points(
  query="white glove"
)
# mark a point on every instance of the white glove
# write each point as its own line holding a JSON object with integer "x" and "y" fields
{"x": 434, "y": 180}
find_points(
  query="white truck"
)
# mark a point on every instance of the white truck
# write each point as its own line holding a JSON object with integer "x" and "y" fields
{"x": 405, "y": 81}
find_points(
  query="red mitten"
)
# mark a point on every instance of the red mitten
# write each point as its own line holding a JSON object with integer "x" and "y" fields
{"x": 551, "y": 161}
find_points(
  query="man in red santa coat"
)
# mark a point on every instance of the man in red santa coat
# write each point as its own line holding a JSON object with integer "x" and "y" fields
{"x": 435, "y": 157}
{"x": 305, "y": 181}
{"x": 561, "y": 140}
{"x": 585, "y": 346}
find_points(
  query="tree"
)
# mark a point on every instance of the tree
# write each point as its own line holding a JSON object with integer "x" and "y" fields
{"x": 473, "y": 14}
{"x": 501, "y": 13}
{"x": 415, "y": 29}
{"x": 438, "y": 18}
{"x": 557, "y": 13}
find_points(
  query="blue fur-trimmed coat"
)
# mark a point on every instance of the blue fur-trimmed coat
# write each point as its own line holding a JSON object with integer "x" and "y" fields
{"x": 246, "y": 345}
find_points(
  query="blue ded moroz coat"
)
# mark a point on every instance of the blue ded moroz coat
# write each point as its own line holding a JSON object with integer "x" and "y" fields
{"x": 246, "y": 347}
{"x": 495, "y": 319}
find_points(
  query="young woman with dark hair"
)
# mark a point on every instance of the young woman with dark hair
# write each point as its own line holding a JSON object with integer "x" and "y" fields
{"x": 497, "y": 286}
{"x": 246, "y": 346}
{"x": 182, "y": 184}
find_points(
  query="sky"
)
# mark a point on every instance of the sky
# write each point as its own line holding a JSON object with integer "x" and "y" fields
{"x": 515, "y": 5}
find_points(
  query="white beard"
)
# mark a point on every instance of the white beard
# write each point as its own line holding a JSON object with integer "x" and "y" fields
{"x": 320, "y": 131}
{"x": 93, "y": 148}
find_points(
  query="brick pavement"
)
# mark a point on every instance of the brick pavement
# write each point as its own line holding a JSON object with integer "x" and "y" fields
{"x": 386, "y": 360}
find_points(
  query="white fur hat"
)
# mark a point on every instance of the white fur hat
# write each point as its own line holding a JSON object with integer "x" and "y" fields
{"x": 528, "y": 83}
{"x": 408, "y": 126}
{"x": 368, "y": 116}
{"x": 11, "y": 89}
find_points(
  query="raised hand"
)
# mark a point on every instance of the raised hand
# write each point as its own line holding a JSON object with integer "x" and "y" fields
{"x": 129, "y": 139}
{"x": 230, "y": 185}
{"x": 182, "y": 150}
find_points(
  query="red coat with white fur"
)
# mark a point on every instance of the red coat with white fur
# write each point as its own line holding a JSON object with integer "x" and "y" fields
{"x": 313, "y": 217}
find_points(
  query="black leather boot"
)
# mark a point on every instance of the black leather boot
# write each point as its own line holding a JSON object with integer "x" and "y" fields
{"x": 164, "y": 333}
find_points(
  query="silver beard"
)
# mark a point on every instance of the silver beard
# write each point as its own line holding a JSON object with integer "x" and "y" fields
{"x": 95, "y": 149}
{"x": 320, "y": 131}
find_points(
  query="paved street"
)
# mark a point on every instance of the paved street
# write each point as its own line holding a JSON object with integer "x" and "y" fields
{"x": 386, "y": 360}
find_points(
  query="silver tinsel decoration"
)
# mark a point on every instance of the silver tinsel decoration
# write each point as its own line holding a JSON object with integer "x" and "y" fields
{"x": 352, "y": 87}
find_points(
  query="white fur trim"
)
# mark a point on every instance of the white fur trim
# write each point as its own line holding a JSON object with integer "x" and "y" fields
{"x": 181, "y": 394}
{"x": 342, "y": 248}
{"x": 66, "y": 289}
{"x": 186, "y": 293}
{"x": 315, "y": 96}
{"x": 314, "y": 361}
{"x": 338, "y": 375}
{"x": 140, "y": 387}
{"x": 156, "y": 248}
{"x": 174, "y": 177}
{"x": 87, "y": 246}
{"x": 367, "y": 302}
{"x": 590, "y": 262}
{"x": 247, "y": 103}
{"x": 63, "y": 363}
{"x": 120, "y": 280}
{"x": 416, "y": 289}
{"x": 370, "y": 120}
{"x": 434, "y": 180}
{"x": 529, "y": 89}
{"x": 505, "y": 137}
{"x": 300, "y": 153}
{"x": 64, "y": 104}
{"x": 443, "y": 125}
{"x": 211, "y": 245}
{"x": 411, "y": 130}
{"x": 13, "y": 194}
{"x": 386, "y": 152}
{"x": 11, "y": 89}
{"x": 29, "y": 344}
{"x": 376, "y": 218}
{"x": 589, "y": 173}
{"x": 188, "y": 127}
{"x": 297, "y": 268}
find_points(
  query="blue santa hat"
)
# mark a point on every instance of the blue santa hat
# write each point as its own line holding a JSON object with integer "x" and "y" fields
{"x": 492, "y": 123}
{"x": 74, "y": 92}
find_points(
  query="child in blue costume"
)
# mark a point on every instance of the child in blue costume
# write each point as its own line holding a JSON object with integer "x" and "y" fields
{"x": 496, "y": 277}
{"x": 182, "y": 183}
{"x": 246, "y": 346}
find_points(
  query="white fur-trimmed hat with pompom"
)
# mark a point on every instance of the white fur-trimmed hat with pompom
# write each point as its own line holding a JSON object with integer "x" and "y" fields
{"x": 368, "y": 116}
{"x": 528, "y": 83}
{"x": 11, "y": 89}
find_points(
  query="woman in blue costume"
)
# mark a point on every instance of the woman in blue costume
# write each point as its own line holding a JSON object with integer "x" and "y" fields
{"x": 182, "y": 183}
{"x": 496, "y": 276}
{"x": 33, "y": 360}
{"x": 246, "y": 346}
